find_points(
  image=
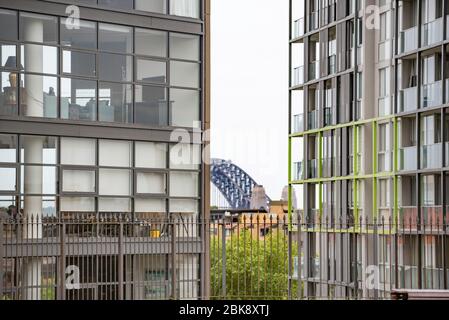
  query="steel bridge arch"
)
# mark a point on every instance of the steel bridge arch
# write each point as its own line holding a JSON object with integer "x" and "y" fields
{"x": 233, "y": 182}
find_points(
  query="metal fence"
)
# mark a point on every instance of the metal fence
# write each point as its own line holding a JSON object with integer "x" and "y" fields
{"x": 251, "y": 256}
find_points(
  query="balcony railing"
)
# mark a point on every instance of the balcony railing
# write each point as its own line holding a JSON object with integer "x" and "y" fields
{"x": 409, "y": 40}
{"x": 313, "y": 21}
{"x": 298, "y": 123}
{"x": 384, "y": 105}
{"x": 332, "y": 64}
{"x": 313, "y": 120}
{"x": 384, "y": 163}
{"x": 314, "y": 70}
{"x": 298, "y": 171}
{"x": 430, "y": 219}
{"x": 432, "y": 32}
{"x": 298, "y": 28}
{"x": 431, "y": 94}
{"x": 408, "y": 99}
{"x": 329, "y": 116}
{"x": 431, "y": 156}
{"x": 327, "y": 167}
{"x": 313, "y": 169}
{"x": 408, "y": 158}
{"x": 298, "y": 76}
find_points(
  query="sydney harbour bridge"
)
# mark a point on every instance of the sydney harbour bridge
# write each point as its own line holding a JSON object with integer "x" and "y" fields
{"x": 231, "y": 186}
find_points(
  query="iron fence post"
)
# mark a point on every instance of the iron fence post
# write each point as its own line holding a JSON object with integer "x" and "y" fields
{"x": 173, "y": 260}
{"x": 120, "y": 262}
{"x": 62, "y": 261}
{"x": 223, "y": 256}
{"x": 290, "y": 275}
{"x": 1, "y": 259}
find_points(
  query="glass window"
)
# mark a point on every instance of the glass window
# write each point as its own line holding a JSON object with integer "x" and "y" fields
{"x": 77, "y": 204}
{"x": 38, "y": 180}
{"x": 8, "y": 148}
{"x": 151, "y": 42}
{"x": 77, "y": 151}
{"x": 8, "y": 180}
{"x": 83, "y": 36}
{"x": 151, "y": 71}
{"x": 8, "y": 206}
{"x": 183, "y": 184}
{"x": 184, "y": 74}
{"x": 78, "y": 99}
{"x": 184, "y": 206}
{"x": 114, "y": 205}
{"x": 185, "y": 8}
{"x": 38, "y": 28}
{"x": 115, "y": 38}
{"x": 8, "y": 25}
{"x": 9, "y": 93}
{"x": 38, "y": 150}
{"x": 185, "y": 108}
{"x": 151, "y": 183}
{"x": 150, "y": 205}
{"x": 151, "y": 105}
{"x": 78, "y": 181}
{"x": 157, "y": 6}
{"x": 39, "y": 96}
{"x": 151, "y": 155}
{"x": 114, "y": 153}
{"x": 184, "y": 46}
{"x": 115, "y": 182}
{"x": 115, "y": 103}
{"x": 8, "y": 56}
{"x": 117, "y": 4}
{"x": 115, "y": 67}
{"x": 185, "y": 156}
{"x": 40, "y": 59}
{"x": 78, "y": 63}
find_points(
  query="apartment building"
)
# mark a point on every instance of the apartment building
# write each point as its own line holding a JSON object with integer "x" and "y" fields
{"x": 369, "y": 138}
{"x": 92, "y": 95}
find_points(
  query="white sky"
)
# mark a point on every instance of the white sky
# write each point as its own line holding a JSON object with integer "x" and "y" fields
{"x": 250, "y": 88}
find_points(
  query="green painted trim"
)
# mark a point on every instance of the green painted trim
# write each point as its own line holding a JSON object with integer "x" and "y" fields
{"x": 355, "y": 181}
{"x": 290, "y": 226}
{"x": 346, "y": 178}
{"x": 374, "y": 155}
{"x": 395, "y": 178}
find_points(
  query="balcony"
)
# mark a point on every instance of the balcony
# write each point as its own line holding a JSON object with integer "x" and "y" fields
{"x": 332, "y": 64}
{"x": 432, "y": 32}
{"x": 409, "y": 40}
{"x": 431, "y": 156}
{"x": 312, "y": 120}
{"x": 313, "y": 21}
{"x": 298, "y": 123}
{"x": 446, "y": 150}
{"x": 314, "y": 70}
{"x": 330, "y": 13}
{"x": 329, "y": 118}
{"x": 447, "y": 90}
{"x": 298, "y": 28}
{"x": 384, "y": 106}
{"x": 298, "y": 172}
{"x": 432, "y": 218}
{"x": 431, "y": 94}
{"x": 384, "y": 163}
{"x": 408, "y": 158}
{"x": 384, "y": 52}
{"x": 298, "y": 76}
{"x": 313, "y": 169}
{"x": 408, "y": 99}
{"x": 408, "y": 218}
{"x": 327, "y": 167}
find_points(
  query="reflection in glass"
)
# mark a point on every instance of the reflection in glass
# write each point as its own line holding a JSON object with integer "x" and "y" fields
{"x": 184, "y": 46}
{"x": 45, "y": 184}
{"x": 47, "y": 147}
{"x": 78, "y": 99}
{"x": 151, "y": 71}
{"x": 38, "y": 28}
{"x": 115, "y": 67}
{"x": 118, "y": 4}
{"x": 8, "y": 56}
{"x": 83, "y": 36}
{"x": 151, "y": 42}
{"x": 8, "y": 180}
{"x": 8, "y": 147}
{"x": 39, "y": 97}
{"x": 184, "y": 74}
{"x": 78, "y": 63}
{"x": 40, "y": 59}
{"x": 8, "y": 93}
{"x": 115, "y": 103}
{"x": 8, "y": 25}
{"x": 157, "y": 6}
{"x": 185, "y": 108}
{"x": 151, "y": 105}
{"x": 185, "y": 8}
{"x": 115, "y": 38}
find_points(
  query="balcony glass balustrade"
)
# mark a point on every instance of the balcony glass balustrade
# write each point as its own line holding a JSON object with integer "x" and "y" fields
{"x": 312, "y": 120}
{"x": 314, "y": 70}
{"x": 408, "y": 99}
{"x": 432, "y": 32}
{"x": 327, "y": 167}
{"x": 313, "y": 169}
{"x": 384, "y": 105}
{"x": 298, "y": 123}
{"x": 408, "y": 158}
{"x": 298, "y": 28}
{"x": 409, "y": 40}
{"x": 431, "y": 157}
{"x": 431, "y": 218}
{"x": 329, "y": 116}
{"x": 446, "y": 151}
{"x": 431, "y": 94}
{"x": 332, "y": 64}
{"x": 298, "y": 171}
{"x": 313, "y": 21}
{"x": 298, "y": 76}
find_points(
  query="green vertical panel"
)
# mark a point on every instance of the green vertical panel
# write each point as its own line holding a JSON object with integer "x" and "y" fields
{"x": 395, "y": 171}
{"x": 374, "y": 156}
{"x": 289, "y": 184}
{"x": 356, "y": 172}
{"x": 320, "y": 173}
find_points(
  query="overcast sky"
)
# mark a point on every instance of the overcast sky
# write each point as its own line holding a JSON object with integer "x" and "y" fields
{"x": 250, "y": 88}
